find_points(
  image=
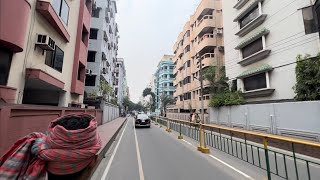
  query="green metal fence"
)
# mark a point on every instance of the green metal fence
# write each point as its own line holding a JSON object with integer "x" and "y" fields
{"x": 253, "y": 148}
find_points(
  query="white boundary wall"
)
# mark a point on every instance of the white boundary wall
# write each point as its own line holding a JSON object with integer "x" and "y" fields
{"x": 293, "y": 119}
{"x": 110, "y": 112}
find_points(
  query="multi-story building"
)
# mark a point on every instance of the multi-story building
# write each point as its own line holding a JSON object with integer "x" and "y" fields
{"x": 120, "y": 84}
{"x": 200, "y": 41}
{"x": 264, "y": 39}
{"x": 163, "y": 81}
{"x": 103, "y": 45}
{"x": 43, "y": 51}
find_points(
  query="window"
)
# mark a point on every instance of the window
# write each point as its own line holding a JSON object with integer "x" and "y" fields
{"x": 255, "y": 82}
{"x": 171, "y": 67}
{"x": 252, "y": 48}
{"x": 5, "y": 64}
{"x": 188, "y": 63}
{"x": 172, "y": 76}
{"x": 187, "y": 96}
{"x": 54, "y": 59}
{"x": 93, "y": 33}
{"x": 249, "y": 17}
{"x": 187, "y": 80}
{"x": 309, "y": 21}
{"x": 62, "y": 9}
{"x": 90, "y": 80}
{"x": 91, "y": 56}
{"x": 171, "y": 93}
{"x": 187, "y": 49}
{"x": 181, "y": 98}
{"x": 171, "y": 84}
{"x": 234, "y": 86}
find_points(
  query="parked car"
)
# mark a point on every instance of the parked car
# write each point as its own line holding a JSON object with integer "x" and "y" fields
{"x": 142, "y": 120}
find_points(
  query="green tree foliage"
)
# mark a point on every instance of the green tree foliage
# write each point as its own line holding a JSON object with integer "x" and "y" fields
{"x": 307, "y": 87}
{"x": 219, "y": 88}
{"x": 148, "y": 91}
{"x": 105, "y": 89}
{"x": 165, "y": 101}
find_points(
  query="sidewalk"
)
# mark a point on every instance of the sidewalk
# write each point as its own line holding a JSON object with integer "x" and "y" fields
{"x": 107, "y": 133}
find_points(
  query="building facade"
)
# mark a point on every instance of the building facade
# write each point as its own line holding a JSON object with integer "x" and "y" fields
{"x": 103, "y": 45}
{"x": 120, "y": 83}
{"x": 43, "y": 50}
{"x": 163, "y": 80}
{"x": 264, "y": 39}
{"x": 200, "y": 41}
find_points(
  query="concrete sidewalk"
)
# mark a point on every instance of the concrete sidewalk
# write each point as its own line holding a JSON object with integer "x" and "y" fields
{"x": 108, "y": 133}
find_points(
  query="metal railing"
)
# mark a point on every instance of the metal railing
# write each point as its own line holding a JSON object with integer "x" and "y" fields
{"x": 287, "y": 158}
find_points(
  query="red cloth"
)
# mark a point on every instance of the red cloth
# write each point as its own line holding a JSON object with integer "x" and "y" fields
{"x": 19, "y": 163}
{"x": 70, "y": 151}
{"x": 64, "y": 151}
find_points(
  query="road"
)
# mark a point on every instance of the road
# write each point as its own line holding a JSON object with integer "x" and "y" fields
{"x": 154, "y": 154}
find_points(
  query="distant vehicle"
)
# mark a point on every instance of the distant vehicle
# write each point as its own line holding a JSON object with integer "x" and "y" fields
{"x": 142, "y": 120}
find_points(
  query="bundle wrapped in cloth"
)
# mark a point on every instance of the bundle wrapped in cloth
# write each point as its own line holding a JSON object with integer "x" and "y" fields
{"x": 70, "y": 146}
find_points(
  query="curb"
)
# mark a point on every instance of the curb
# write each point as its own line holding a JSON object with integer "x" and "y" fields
{"x": 87, "y": 174}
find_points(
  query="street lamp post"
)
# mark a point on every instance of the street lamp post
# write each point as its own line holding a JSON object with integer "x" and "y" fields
{"x": 203, "y": 146}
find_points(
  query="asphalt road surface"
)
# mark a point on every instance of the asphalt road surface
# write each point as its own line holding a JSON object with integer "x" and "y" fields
{"x": 154, "y": 154}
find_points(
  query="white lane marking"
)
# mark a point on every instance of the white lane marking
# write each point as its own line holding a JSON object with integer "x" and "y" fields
{"x": 187, "y": 142}
{"x": 106, "y": 171}
{"x": 231, "y": 167}
{"x": 141, "y": 174}
{"x": 226, "y": 164}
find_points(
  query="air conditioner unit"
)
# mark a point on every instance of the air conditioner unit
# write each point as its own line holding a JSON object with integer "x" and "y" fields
{"x": 45, "y": 42}
{"x": 219, "y": 31}
{"x": 88, "y": 71}
{"x": 221, "y": 48}
{"x": 104, "y": 70}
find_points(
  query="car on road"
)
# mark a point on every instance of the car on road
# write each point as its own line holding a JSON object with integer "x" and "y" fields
{"x": 142, "y": 120}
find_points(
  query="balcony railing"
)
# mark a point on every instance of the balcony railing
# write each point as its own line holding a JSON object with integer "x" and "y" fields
{"x": 203, "y": 18}
{"x": 207, "y": 55}
{"x": 205, "y": 36}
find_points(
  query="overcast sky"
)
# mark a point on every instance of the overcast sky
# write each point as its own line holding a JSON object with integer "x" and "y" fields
{"x": 148, "y": 29}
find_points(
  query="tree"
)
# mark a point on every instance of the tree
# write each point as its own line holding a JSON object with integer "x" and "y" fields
{"x": 165, "y": 101}
{"x": 217, "y": 79}
{"x": 307, "y": 87}
{"x": 146, "y": 92}
{"x": 219, "y": 88}
{"x": 105, "y": 89}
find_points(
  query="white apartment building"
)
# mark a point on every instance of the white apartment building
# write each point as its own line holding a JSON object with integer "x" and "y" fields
{"x": 120, "y": 83}
{"x": 103, "y": 45}
{"x": 263, "y": 39}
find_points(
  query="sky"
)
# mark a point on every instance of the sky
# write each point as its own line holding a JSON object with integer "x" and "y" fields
{"x": 148, "y": 30}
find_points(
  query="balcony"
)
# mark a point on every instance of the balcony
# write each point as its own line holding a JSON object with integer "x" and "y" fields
{"x": 87, "y": 15}
{"x": 42, "y": 80}
{"x": 83, "y": 53}
{"x": 240, "y": 4}
{"x": 207, "y": 59}
{"x": 206, "y": 6}
{"x": 13, "y": 30}
{"x": 47, "y": 11}
{"x": 78, "y": 87}
{"x": 207, "y": 40}
{"x": 207, "y": 22}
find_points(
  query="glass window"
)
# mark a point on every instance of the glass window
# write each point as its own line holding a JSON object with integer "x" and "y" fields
{"x": 255, "y": 82}
{"x": 309, "y": 21}
{"x": 93, "y": 33}
{"x": 91, "y": 56}
{"x": 54, "y": 59}
{"x": 252, "y": 48}
{"x": 90, "y": 80}
{"x": 5, "y": 64}
{"x": 249, "y": 17}
{"x": 62, "y": 9}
